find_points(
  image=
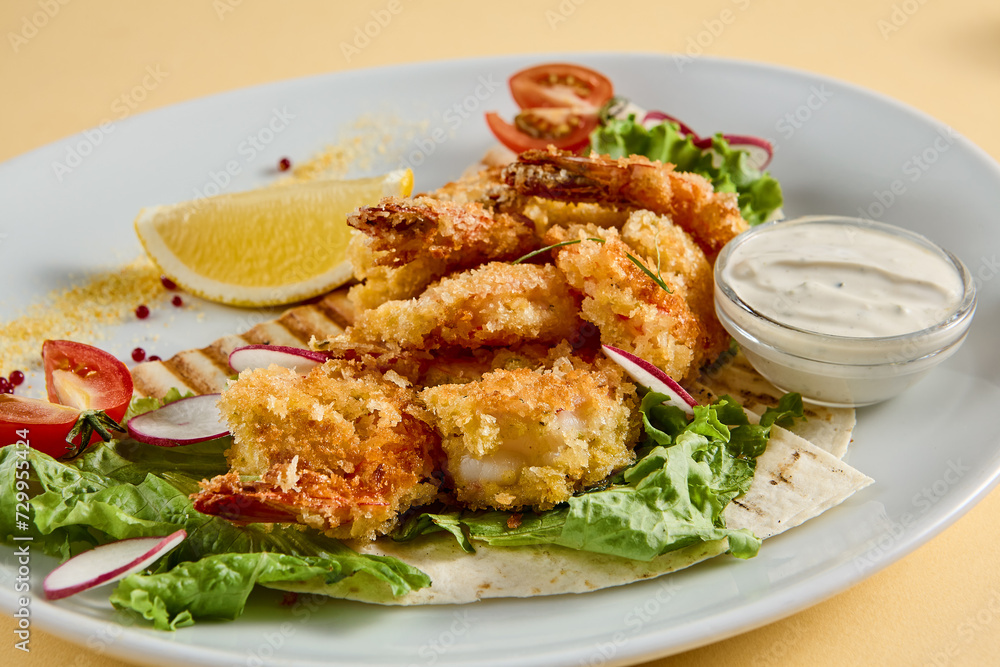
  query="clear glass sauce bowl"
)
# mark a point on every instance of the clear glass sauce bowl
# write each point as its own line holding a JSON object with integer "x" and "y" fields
{"x": 841, "y": 370}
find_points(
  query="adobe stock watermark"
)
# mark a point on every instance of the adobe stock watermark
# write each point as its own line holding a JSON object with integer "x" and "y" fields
{"x": 433, "y": 649}
{"x": 453, "y": 118}
{"x": 22, "y": 539}
{"x": 922, "y": 501}
{"x": 899, "y": 16}
{"x": 223, "y": 7}
{"x": 971, "y": 627}
{"x": 634, "y": 621}
{"x": 364, "y": 34}
{"x": 248, "y": 149}
{"x": 793, "y": 631}
{"x": 562, "y": 12}
{"x": 712, "y": 29}
{"x": 796, "y": 119}
{"x": 122, "y": 107}
{"x": 33, "y": 23}
{"x": 912, "y": 169}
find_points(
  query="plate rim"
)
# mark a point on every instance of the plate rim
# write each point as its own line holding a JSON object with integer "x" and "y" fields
{"x": 134, "y": 642}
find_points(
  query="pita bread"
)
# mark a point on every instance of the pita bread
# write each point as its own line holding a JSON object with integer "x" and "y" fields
{"x": 206, "y": 371}
{"x": 495, "y": 572}
{"x": 827, "y": 428}
{"x": 795, "y": 480}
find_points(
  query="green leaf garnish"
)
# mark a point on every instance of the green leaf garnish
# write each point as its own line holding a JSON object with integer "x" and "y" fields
{"x": 635, "y": 260}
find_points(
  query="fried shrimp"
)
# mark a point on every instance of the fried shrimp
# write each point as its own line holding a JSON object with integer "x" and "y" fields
{"x": 497, "y": 304}
{"x": 480, "y": 187}
{"x": 459, "y": 235}
{"x": 381, "y": 283}
{"x": 337, "y": 450}
{"x": 629, "y": 308}
{"x": 711, "y": 218}
{"x": 670, "y": 249}
{"x": 519, "y": 438}
{"x": 410, "y": 243}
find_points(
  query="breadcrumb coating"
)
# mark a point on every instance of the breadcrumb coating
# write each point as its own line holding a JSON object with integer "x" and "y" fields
{"x": 663, "y": 244}
{"x": 631, "y": 311}
{"x": 461, "y": 235}
{"x": 497, "y": 304}
{"x": 340, "y": 450}
{"x": 382, "y": 282}
{"x": 409, "y": 243}
{"x": 712, "y": 218}
{"x": 532, "y": 438}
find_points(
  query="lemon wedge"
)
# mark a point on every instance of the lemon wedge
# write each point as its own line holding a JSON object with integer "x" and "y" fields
{"x": 264, "y": 247}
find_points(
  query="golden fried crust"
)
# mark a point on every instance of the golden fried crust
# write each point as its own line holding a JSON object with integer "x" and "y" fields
{"x": 631, "y": 311}
{"x": 481, "y": 187}
{"x": 711, "y": 218}
{"x": 382, "y": 282}
{"x": 340, "y": 450}
{"x": 497, "y": 304}
{"x": 459, "y": 235}
{"x": 519, "y": 438}
{"x": 661, "y": 243}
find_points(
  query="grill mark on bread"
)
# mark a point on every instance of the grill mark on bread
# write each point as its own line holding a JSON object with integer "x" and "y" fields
{"x": 198, "y": 370}
{"x": 338, "y": 308}
{"x": 206, "y": 370}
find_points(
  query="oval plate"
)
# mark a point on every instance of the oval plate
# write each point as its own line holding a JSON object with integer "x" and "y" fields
{"x": 839, "y": 150}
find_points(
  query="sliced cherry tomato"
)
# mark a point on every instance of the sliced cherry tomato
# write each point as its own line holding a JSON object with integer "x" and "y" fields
{"x": 45, "y": 424}
{"x": 560, "y": 85}
{"x": 86, "y": 378}
{"x": 539, "y": 128}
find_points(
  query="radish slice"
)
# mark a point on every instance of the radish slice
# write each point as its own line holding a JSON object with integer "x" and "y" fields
{"x": 761, "y": 151}
{"x": 107, "y": 563}
{"x": 652, "y": 378}
{"x": 262, "y": 356}
{"x": 659, "y": 117}
{"x": 183, "y": 422}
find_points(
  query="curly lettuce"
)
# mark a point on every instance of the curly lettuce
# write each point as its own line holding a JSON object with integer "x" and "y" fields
{"x": 728, "y": 169}
{"x": 672, "y": 497}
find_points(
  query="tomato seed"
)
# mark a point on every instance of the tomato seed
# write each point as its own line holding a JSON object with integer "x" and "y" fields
{"x": 177, "y": 301}
{"x": 138, "y": 354}
{"x": 142, "y": 312}
{"x": 168, "y": 283}
{"x": 16, "y": 378}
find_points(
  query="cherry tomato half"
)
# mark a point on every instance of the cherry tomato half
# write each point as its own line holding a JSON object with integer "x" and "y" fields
{"x": 86, "y": 378}
{"x": 560, "y": 85}
{"x": 539, "y": 128}
{"x": 42, "y": 425}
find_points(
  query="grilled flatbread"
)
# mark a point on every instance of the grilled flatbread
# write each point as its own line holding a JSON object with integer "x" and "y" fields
{"x": 827, "y": 428}
{"x": 795, "y": 480}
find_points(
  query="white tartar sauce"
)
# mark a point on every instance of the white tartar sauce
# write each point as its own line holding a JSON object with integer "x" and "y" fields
{"x": 844, "y": 280}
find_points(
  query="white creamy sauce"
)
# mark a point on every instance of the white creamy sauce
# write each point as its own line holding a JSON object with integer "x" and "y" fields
{"x": 843, "y": 280}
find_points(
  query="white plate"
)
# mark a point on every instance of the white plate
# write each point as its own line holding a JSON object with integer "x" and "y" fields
{"x": 933, "y": 452}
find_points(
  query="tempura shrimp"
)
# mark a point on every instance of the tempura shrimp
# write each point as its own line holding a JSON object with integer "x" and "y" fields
{"x": 710, "y": 217}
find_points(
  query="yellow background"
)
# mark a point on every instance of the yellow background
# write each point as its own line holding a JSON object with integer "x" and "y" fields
{"x": 941, "y": 57}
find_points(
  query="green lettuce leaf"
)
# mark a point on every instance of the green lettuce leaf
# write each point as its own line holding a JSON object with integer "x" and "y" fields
{"x": 729, "y": 170}
{"x": 672, "y": 497}
{"x": 128, "y": 489}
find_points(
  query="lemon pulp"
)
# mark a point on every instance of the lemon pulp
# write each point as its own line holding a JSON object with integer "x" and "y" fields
{"x": 269, "y": 246}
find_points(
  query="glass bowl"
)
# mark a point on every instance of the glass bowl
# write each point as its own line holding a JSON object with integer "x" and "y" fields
{"x": 837, "y": 369}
